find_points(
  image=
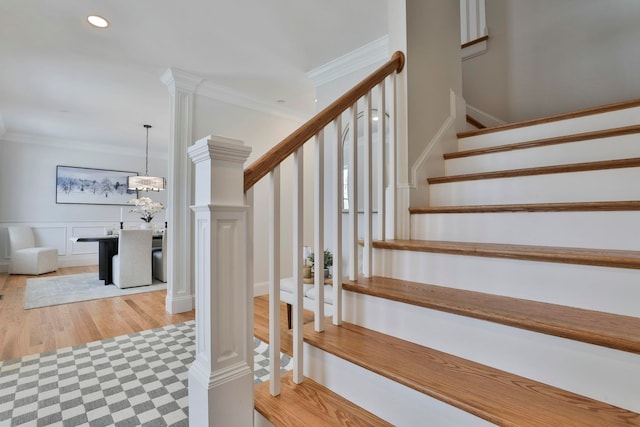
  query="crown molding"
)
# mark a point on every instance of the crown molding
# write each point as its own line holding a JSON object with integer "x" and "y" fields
{"x": 239, "y": 99}
{"x": 175, "y": 78}
{"x": 372, "y": 53}
{"x": 95, "y": 147}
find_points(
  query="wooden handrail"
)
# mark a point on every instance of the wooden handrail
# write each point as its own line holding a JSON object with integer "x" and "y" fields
{"x": 290, "y": 144}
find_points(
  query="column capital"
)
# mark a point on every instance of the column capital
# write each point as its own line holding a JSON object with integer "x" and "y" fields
{"x": 219, "y": 166}
{"x": 219, "y": 148}
{"x": 183, "y": 81}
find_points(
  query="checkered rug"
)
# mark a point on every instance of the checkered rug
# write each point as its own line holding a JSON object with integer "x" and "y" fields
{"x": 131, "y": 380}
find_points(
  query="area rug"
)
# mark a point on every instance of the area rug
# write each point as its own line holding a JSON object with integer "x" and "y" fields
{"x": 55, "y": 290}
{"x": 130, "y": 380}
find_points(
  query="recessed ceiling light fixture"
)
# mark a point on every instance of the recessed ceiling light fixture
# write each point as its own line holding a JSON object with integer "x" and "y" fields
{"x": 97, "y": 21}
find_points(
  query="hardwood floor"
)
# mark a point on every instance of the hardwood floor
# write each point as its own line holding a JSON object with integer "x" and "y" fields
{"x": 24, "y": 332}
{"x": 261, "y": 323}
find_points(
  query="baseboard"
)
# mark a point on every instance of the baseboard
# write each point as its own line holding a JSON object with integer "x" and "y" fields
{"x": 485, "y": 118}
{"x": 260, "y": 288}
{"x": 179, "y": 304}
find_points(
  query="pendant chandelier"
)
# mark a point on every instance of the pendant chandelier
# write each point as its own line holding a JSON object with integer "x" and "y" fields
{"x": 146, "y": 182}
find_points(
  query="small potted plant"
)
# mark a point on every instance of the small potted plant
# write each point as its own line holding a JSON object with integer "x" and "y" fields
{"x": 328, "y": 262}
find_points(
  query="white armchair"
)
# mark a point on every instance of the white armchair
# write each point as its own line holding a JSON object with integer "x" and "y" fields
{"x": 158, "y": 266}
{"x": 26, "y": 258}
{"x": 132, "y": 265}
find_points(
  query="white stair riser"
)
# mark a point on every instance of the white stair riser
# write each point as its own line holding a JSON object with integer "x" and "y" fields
{"x": 590, "y": 186}
{"x": 619, "y": 147}
{"x": 570, "y": 365}
{"x": 391, "y": 401}
{"x": 613, "y": 290}
{"x": 595, "y": 122}
{"x": 610, "y": 230}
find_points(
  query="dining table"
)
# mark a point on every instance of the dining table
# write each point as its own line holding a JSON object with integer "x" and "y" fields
{"x": 107, "y": 248}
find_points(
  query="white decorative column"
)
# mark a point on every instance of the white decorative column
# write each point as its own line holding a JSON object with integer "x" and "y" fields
{"x": 221, "y": 377}
{"x": 180, "y": 288}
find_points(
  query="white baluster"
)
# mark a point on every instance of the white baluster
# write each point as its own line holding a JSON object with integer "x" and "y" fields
{"x": 368, "y": 211}
{"x": 337, "y": 220}
{"x": 392, "y": 172}
{"x": 318, "y": 264}
{"x": 382, "y": 164}
{"x": 274, "y": 281}
{"x": 298, "y": 259}
{"x": 353, "y": 193}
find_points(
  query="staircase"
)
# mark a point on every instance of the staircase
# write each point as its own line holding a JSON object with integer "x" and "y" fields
{"x": 516, "y": 301}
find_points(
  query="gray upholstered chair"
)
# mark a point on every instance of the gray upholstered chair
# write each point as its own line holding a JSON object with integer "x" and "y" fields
{"x": 158, "y": 266}
{"x": 132, "y": 265}
{"x": 26, "y": 258}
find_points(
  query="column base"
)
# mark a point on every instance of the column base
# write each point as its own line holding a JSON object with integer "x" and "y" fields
{"x": 215, "y": 397}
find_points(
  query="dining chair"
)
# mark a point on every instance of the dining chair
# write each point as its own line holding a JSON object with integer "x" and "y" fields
{"x": 158, "y": 266}
{"x": 132, "y": 265}
{"x": 26, "y": 257}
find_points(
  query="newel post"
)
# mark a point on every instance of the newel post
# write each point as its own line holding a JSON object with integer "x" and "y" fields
{"x": 221, "y": 377}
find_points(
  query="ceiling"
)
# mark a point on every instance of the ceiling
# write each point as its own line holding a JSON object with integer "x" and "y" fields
{"x": 63, "y": 80}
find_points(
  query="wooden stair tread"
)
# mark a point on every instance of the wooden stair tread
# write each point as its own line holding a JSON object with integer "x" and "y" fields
{"x": 627, "y": 205}
{"x": 563, "y": 116}
{"x": 627, "y": 130}
{"x": 310, "y": 404}
{"x": 542, "y": 170}
{"x": 489, "y": 393}
{"x": 594, "y": 327}
{"x": 584, "y": 256}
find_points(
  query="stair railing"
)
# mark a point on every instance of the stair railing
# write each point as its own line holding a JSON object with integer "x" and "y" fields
{"x": 269, "y": 165}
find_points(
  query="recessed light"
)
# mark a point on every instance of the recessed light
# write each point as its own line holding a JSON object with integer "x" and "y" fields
{"x": 97, "y": 21}
{"x": 280, "y": 101}
{"x": 374, "y": 118}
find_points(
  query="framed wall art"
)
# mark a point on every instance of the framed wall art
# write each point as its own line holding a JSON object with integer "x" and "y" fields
{"x": 93, "y": 186}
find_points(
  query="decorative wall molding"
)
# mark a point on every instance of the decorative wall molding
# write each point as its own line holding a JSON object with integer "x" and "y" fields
{"x": 68, "y": 144}
{"x": 372, "y": 53}
{"x": 58, "y": 235}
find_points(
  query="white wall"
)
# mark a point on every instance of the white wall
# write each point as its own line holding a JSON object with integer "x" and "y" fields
{"x": 326, "y": 94}
{"x": 552, "y": 56}
{"x": 28, "y": 173}
{"x": 260, "y": 131}
{"x": 28, "y": 194}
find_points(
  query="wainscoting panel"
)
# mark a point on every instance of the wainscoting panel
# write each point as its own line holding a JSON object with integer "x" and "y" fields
{"x": 58, "y": 235}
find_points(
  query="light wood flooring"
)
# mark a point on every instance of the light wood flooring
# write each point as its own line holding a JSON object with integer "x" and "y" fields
{"x": 24, "y": 332}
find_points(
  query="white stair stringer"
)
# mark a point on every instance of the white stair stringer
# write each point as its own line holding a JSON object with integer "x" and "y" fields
{"x": 612, "y": 290}
{"x": 597, "y": 229}
{"x": 588, "y": 186}
{"x": 550, "y": 129}
{"x": 593, "y": 371}
{"x": 610, "y": 148}
{"x": 396, "y": 403}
